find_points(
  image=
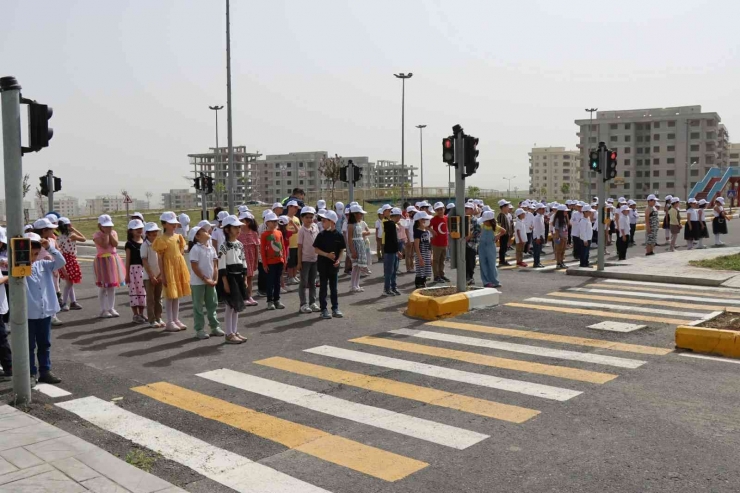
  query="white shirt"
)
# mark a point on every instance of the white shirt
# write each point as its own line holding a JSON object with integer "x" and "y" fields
{"x": 3, "y": 301}
{"x": 623, "y": 224}
{"x": 378, "y": 228}
{"x": 538, "y": 227}
{"x": 584, "y": 232}
{"x": 203, "y": 255}
{"x": 529, "y": 221}
{"x": 520, "y": 231}
{"x": 148, "y": 254}
{"x": 634, "y": 216}
{"x": 692, "y": 214}
{"x": 575, "y": 218}
{"x": 218, "y": 236}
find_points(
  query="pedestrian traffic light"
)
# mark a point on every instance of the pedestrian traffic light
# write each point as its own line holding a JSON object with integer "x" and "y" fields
{"x": 448, "y": 150}
{"x": 39, "y": 133}
{"x": 594, "y": 161}
{"x": 471, "y": 154}
{"x": 343, "y": 174}
{"x": 196, "y": 183}
{"x": 207, "y": 183}
{"x": 611, "y": 165}
{"x": 57, "y": 184}
{"x": 44, "y": 185}
{"x": 357, "y": 175}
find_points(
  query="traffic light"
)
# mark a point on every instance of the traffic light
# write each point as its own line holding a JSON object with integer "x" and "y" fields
{"x": 207, "y": 183}
{"x": 448, "y": 150}
{"x": 471, "y": 154}
{"x": 357, "y": 175}
{"x": 39, "y": 133}
{"x": 44, "y": 185}
{"x": 611, "y": 165}
{"x": 196, "y": 183}
{"x": 57, "y": 184}
{"x": 343, "y": 174}
{"x": 593, "y": 162}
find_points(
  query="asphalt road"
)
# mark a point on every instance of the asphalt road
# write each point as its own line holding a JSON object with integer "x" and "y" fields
{"x": 670, "y": 424}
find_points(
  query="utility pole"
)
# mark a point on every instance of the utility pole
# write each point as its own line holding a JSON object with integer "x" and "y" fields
{"x": 421, "y": 155}
{"x": 12, "y": 159}
{"x": 50, "y": 185}
{"x": 403, "y": 78}
{"x": 509, "y": 189}
{"x": 462, "y": 284}
{"x": 230, "y": 185}
{"x": 601, "y": 209}
{"x": 351, "y": 178}
{"x": 217, "y": 155}
{"x": 591, "y": 112}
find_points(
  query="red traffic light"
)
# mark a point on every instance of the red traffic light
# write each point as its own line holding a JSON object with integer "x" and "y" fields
{"x": 448, "y": 143}
{"x": 614, "y": 155}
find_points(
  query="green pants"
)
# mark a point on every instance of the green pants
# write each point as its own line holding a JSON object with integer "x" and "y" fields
{"x": 204, "y": 296}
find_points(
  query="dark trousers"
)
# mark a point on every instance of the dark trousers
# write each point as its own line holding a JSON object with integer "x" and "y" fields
{"x": 261, "y": 279}
{"x": 632, "y": 234}
{"x": 390, "y": 271}
{"x": 274, "y": 273}
{"x": 328, "y": 280}
{"x": 536, "y": 252}
{"x": 470, "y": 257}
{"x": 6, "y": 361}
{"x": 528, "y": 245}
{"x": 502, "y": 247}
{"x": 577, "y": 246}
{"x": 621, "y": 248}
{"x": 39, "y": 344}
{"x": 584, "y": 251}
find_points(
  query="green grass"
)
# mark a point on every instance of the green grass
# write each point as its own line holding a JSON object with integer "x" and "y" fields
{"x": 143, "y": 459}
{"x": 726, "y": 262}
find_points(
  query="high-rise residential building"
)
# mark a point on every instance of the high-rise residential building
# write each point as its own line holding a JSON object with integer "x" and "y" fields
{"x": 104, "y": 204}
{"x": 65, "y": 205}
{"x": 663, "y": 150}
{"x": 390, "y": 174}
{"x": 275, "y": 176}
{"x": 215, "y": 164}
{"x": 554, "y": 173}
{"x": 733, "y": 153}
{"x": 180, "y": 200}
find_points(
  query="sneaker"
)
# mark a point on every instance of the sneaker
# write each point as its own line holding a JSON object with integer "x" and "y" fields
{"x": 55, "y": 321}
{"x": 283, "y": 291}
{"x": 154, "y": 325}
{"x": 217, "y": 332}
{"x": 181, "y": 325}
{"x": 201, "y": 335}
{"x": 279, "y": 305}
{"x": 315, "y": 308}
{"x": 64, "y": 308}
{"x": 105, "y": 314}
{"x": 114, "y": 314}
{"x": 305, "y": 309}
{"x": 337, "y": 314}
{"x": 522, "y": 264}
{"x": 504, "y": 264}
{"x": 261, "y": 293}
{"x": 387, "y": 293}
{"x": 539, "y": 266}
{"x": 396, "y": 292}
{"x": 445, "y": 279}
{"x": 233, "y": 339}
{"x": 496, "y": 285}
{"x": 325, "y": 314}
{"x": 161, "y": 323}
{"x": 171, "y": 327}
{"x": 49, "y": 377}
{"x": 251, "y": 302}
{"x": 471, "y": 282}
{"x": 75, "y": 306}
{"x": 270, "y": 305}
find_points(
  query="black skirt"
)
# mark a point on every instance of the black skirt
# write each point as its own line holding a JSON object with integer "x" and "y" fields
{"x": 693, "y": 233}
{"x": 237, "y": 288}
{"x": 719, "y": 226}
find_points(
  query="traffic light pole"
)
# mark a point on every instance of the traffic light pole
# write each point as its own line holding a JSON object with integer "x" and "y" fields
{"x": 462, "y": 284}
{"x": 12, "y": 159}
{"x": 351, "y": 184}
{"x": 50, "y": 187}
{"x": 601, "y": 209}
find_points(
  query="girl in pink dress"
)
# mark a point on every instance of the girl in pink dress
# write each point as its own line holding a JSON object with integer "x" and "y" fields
{"x": 109, "y": 272}
{"x": 250, "y": 239}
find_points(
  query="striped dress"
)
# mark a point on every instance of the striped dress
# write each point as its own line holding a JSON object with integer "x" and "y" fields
{"x": 425, "y": 248}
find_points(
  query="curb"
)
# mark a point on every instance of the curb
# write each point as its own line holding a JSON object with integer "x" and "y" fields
{"x": 708, "y": 340}
{"x": 433, "y": 308}
{"x": 633, "y": 276}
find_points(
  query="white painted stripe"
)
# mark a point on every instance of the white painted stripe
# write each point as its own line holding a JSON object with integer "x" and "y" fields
{"x": 621, "y": 308}
{"x": 51, "y": 390}
{"x": 489, "y": 381}
{"x": 222, "y": 466}
{"x": 524, "y": 349}
{"x": 616, "y": 326}
{"x": 674, "y": 286}
{"x": 422, "y": 429}
{"x": 712, "y": 358}
{"x": 659, "y": 296}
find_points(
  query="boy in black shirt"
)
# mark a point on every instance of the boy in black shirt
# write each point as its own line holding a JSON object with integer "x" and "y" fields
{"x": 391, "y": 254}
{"x": 329, "y": 245}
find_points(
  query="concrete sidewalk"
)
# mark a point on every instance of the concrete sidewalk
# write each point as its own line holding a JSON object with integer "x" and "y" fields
{"x": 38, "y": 457}
{"x": 667, "y": 267}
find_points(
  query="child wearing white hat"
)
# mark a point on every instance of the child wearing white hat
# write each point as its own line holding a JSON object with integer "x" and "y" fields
{"x": 623, "y": 231}
{"x": 152, "y": 276}
{"x": 232, "y": 282}
{"x": 520, "y": 236}
{"x": 109, "y": 271}
{"x": 272, "y": 253}
{"x": 329, "y": 246}
{"x": 719, "y": 222}
{"x": 422, "y": 248}
{"x": 174, "y": 271}
{"x": 584, "y": 231}
{"x": 72, "y": 273}
{"x": 703, "y": 223}
{"x": 135, "y": 270}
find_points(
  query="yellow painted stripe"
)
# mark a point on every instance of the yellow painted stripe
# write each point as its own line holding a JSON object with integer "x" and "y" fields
{"x": 82, "y": 259}
{"x": 649, "y": 289}
{"x": 529, "y": 263}
{"x": 485, "y": 360}
{"x": 601, "y": 313}
{"x": 331, "y": 448}
{"x": 634, "y": 301}
{"x": 474, "y": 405}
{"x": 540, "y": 336}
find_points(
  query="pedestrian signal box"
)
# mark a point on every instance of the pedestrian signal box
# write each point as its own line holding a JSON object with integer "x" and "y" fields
{"x": 454, "y": 226}
{"x": 20, "y": 249}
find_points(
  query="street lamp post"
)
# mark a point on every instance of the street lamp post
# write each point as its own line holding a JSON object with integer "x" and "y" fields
{"x": 421, "y": 156}
{"x": 509, "y": 180}
{"x": 216, "y": 154}
{"x": 403, "y": 78}
{"x": 230, "y": 185}
{"x": 591, "y": 112}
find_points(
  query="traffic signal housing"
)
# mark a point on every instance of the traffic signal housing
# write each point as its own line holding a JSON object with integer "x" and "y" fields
{"x": 207, "y": 183}
{"x": 196, "y": 184}
{"x": 448, "y": 150}
{"x": 44, "y": 185}
{"x": 39, "y": 133}
{"x": 471, "y": 154}
{"x": 611, "y": 165}
{"x": 593, "y": 161}
{"x": 343, "y": 174}
{"x": 357, "y": 174}
{"x": 57, "y": 184}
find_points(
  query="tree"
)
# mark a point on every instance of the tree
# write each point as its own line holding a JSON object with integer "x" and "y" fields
{"x": 148, "y": 196}
{"x": 473, "y": 192}
{"x": 220, "y": 190}
{"x": 565, "y": 189}
{"x": 40, "y": 199}
{"x": 543, "y": 192}
{"x": 330, "y": 168}
{"x": 26, "y": 185}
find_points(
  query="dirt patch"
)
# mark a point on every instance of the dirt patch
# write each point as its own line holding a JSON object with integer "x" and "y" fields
{"x": 726, "y": 321}
{"x": 438, "y": 292}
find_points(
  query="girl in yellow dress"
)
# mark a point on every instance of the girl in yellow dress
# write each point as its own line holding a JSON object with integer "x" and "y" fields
{"x": 173, "y": 268}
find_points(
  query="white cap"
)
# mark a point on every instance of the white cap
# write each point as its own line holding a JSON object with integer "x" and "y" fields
{"x": 321, "y": 212}
{"x": 357, "y": 208}
{"x": 386, "y": 207}
{"x": 231, "y": 220}
{"x": 488, "y": 215}
{"x": 283, "y": 220}
{"x": 222, "y": 215}
{"x": 609, "y": 205}
{"x": 331, "y": 216}
{"x": 652, "y": 197}
{"x": 33, "y": 237}
{"x": 139, "y": 215}
{"x": 135, "y": 224}
{"x": 701, "y": 202}
{"x": 631, "y": 202}
{"x": 519, "y": 212}
{"x": 339, "y": 207}
{"x": 184, "y": 219}
{"x": 411, "y": 209}
{"x": 624, "y": 208}
{"x": 439, "y": 205}
{"x": 596, "y": 199}
{"x": 353, "y": 203}
{"x": 562, "y": 207}
{"x": 193, "y": 232}
{"x": 450, "y": 205}
{"x": 308, "y": 210}
{"x": 169, "y": 217}
{"x": 205, "y": 224}
{"x": 395, "y": 211}
{"x": 608, "y": 201}
{"x": 380, "y": 210}
{"x": 277, "y": 205}
{"x": 3, "y": 235}
{"x": 621, "y": 199}
{"x": 64, "y": 220}
{"x": 265, "y": 213}
{"x": 721, "y": 200}
{"x": 488, "y": 207}
{"x": 292, "y": 203}
{"x": 586, "y": 208}
{"x": 245, "y": 215}
{"x": 675, "y": 199}
{"x": 668, "y": 198}
{"x": 424, "y": 203}
{"x": 347, "y": 209}
{"x": 53, "y": 218}
{"x": 105, "y": 220}
{"x": 321, "y": 204}
{"x": 270, "y": 216}
{"x": 243, "y": 208}
{"x": 540, "y": 206}
{"x": 692, "y": 200}
{"x": 28, "y": 227}
{"x": 151, "y": 227}
{"x": 469, "y": 205}
{"x": 503, "y": 202}
{"x": 421, "y": 215}
{"x": 568, "y": 202}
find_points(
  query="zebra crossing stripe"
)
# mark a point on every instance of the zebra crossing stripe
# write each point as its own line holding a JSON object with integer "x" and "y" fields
{"x": 497, "y": 410}
{"x": 542, "y": 336}
{"x": 492, "y": 361}
{"x": 711, "y": 289}
{"x": 449, "y": 436}
{"x": 338, "y": 450}
{"x": 636, "y": 301}
{"x": 620, "y": 307}
{"x": 602, "y": 313}
{"x": 642, "y": 289}
{"x": 523, "y": 349}
{"x": 646, "y": 294}
{"x": 219, "y": 465}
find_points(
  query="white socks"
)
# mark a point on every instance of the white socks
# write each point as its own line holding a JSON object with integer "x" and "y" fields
{"x": 107, "y": 299}
{"x": 69, "y": 293}
{"x": 355, "y": 277}
{"x": 172, "y": 307}
{"x": 231, "y": 320}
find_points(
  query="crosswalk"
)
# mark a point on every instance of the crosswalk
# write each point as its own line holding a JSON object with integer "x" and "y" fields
{"x": 616, "y": 299}
{"x": 486, "y": 395}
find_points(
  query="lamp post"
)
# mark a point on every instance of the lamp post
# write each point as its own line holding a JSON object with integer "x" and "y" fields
{"x": 216, "y": 154}
{"x": 230, "y": 185}
{"x": 403, "y": 78}
{"x": 421, "y": 156}
{"x": 509, "y": 180}
{"x": 591, "y": 112}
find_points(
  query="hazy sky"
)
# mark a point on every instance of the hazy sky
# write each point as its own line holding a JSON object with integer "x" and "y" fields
{"x": 131, "y": 81}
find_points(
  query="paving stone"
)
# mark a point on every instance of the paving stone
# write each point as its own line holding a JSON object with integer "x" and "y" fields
{"x": 25, "y": 473}
{"x": 172, "y": 489}
{"x": 75, "y": 469}
{"x": 48, "y": 482}
{"x": 21, "y": 458}
{"x": 60, "y": 448}
{"x": 5, "y": 409}
{"x": 124, "y": 474}
{"x": 12, "y": 421}
{"x": 6, "y": 467}
{"x": 28, "y": 435}
{"x": 103, "y": 485}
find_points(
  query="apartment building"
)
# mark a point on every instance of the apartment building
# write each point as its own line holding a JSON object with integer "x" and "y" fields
{"x": 390, "y": 174}
{"x": 180, "y": 199}
{"x": 554, "y": 173}
{"x": 733, "y": 153}
{"x": 215, "y": 164}
{"x": 65, "y": 205}
{"x": 663, "y": 150}
{"x": 104, "y": 204}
